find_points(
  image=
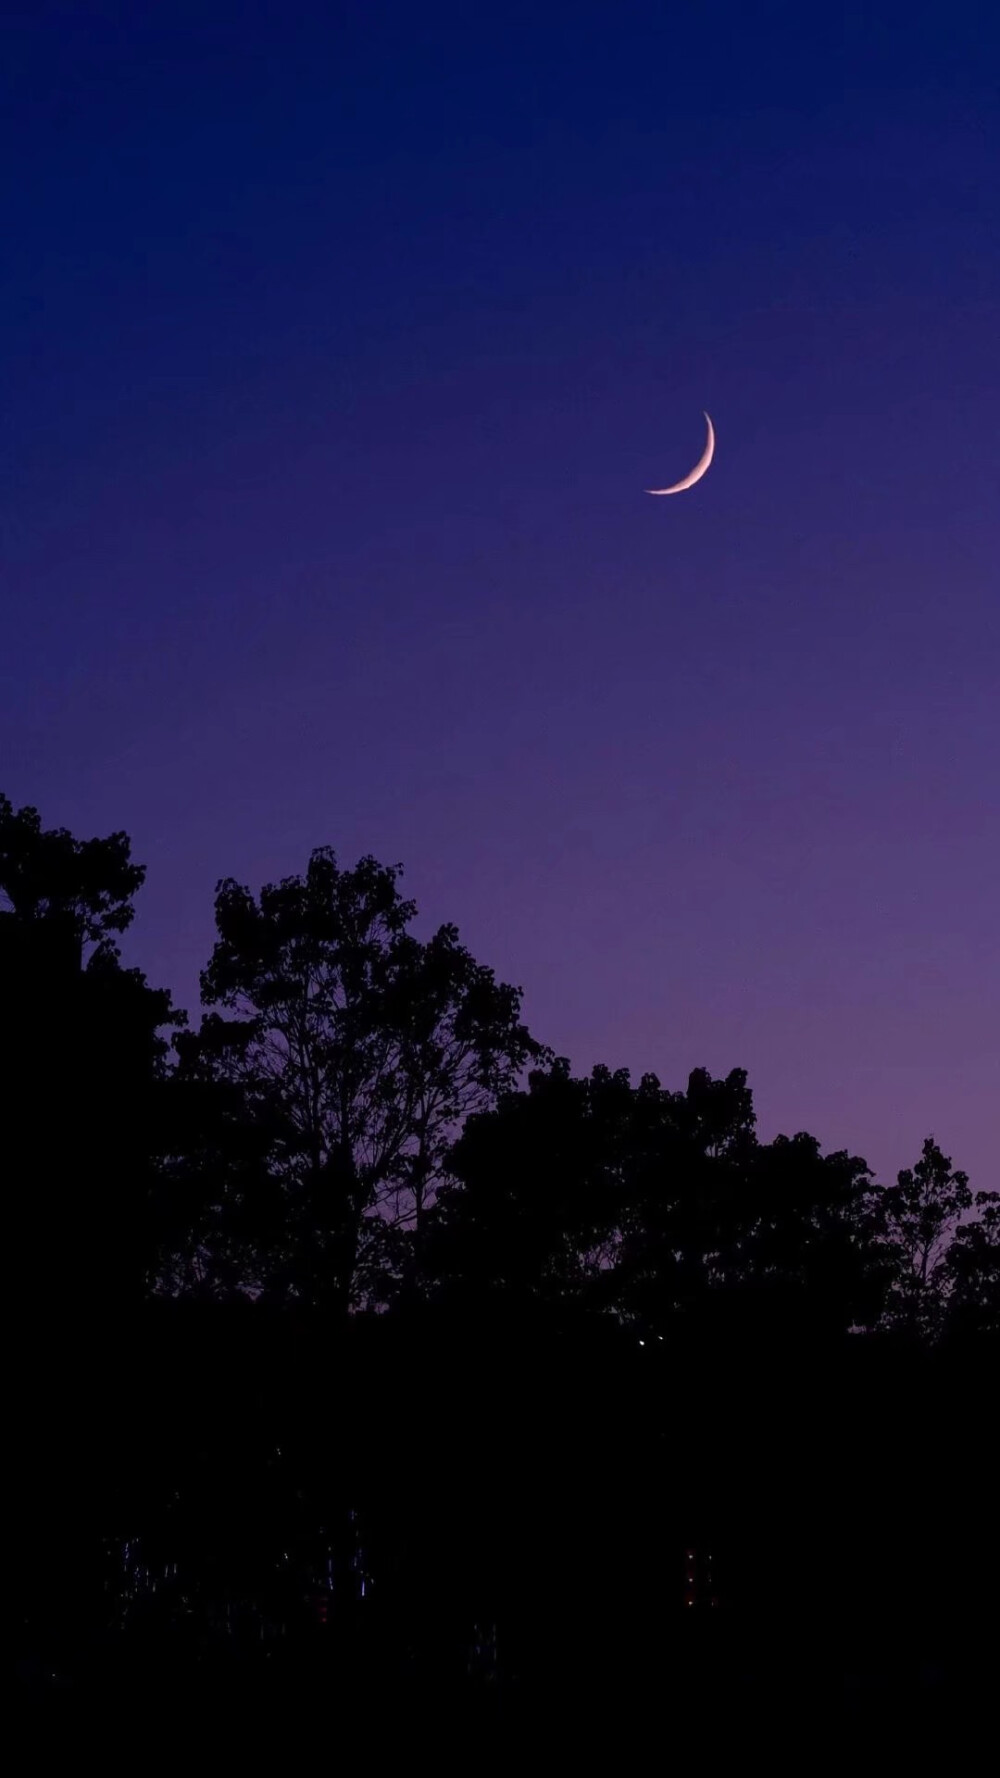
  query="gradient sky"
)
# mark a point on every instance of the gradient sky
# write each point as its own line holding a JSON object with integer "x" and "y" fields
{"x": 340, "y": 342}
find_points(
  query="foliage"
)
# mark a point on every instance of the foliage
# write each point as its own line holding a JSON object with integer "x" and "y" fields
{"x": 652, "y": 1204}
{"x": 916, "y": 1221}
{"x": 84, "y": 1064}
{"x": 353, "y": 1050}
{"x": 972, "y": 1265}
{"x": 46, "y": 874}
{"x": 350, "y": 1126}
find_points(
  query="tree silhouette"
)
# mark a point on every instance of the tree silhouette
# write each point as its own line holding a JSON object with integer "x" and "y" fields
{"x": 348, "y": 1128}
{"x": 84, "y": 1060}
{"x": 916, "y": 1220}
{"x": 46, "y": 874}
{"x": 803, "y": 1252}
{"x": 356, "y": 1050}
{"x": 529, "y": 1213}
{"x": 653, "y": 1205}
{"x": 973, "y": 1268}
{"x": 682, "y": 1214}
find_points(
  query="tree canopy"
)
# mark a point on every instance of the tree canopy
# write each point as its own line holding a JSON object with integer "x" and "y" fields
{"x": 357, "y": 1284}
{"x": 363, "y": 1120}
{"x": 355, "y": 1049}
{"x": 85, "y": 1059}
{"x": 46, "y": 874}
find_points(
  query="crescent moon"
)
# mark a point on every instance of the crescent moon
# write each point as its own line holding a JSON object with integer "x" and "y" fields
{"x": 699, "y": 469}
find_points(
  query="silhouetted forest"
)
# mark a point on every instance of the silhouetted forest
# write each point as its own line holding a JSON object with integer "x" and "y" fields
{"x": 367, "y": 1358}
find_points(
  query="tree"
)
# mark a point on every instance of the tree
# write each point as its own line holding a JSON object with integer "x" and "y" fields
{"x": 84, "y": 1060}
{"x": 679, "y": 1211}
{"x": 591, "y": 1187}
{"x": 357, "y": 1050}
{"x": 658, "y": 1207}
{"x": 916, "y": 1220}
{"x": 800, "y": 1249}
{"x": 85, "y": 885}
{"x": 973, "y": 1268}
{"x": 530, "y": 1211}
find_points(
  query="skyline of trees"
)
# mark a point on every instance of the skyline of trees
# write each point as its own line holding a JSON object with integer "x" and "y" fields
{"x": 356, "y": 1250}
{"x": 361, "y": 1119}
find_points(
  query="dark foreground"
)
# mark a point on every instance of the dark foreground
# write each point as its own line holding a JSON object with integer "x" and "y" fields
{"x": 475, "y": 1537}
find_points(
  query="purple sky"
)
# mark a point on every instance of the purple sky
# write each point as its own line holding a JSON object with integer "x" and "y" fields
{"x": 340, "y": 343}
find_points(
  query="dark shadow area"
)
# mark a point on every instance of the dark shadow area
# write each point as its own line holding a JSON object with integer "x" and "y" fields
{"x": 373, "y": 1376}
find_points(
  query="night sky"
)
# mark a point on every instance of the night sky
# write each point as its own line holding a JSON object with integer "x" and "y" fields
{"x": 340, "y": 342}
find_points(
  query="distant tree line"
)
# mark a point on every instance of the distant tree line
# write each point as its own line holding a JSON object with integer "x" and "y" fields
{"x": 361, "y": 1121}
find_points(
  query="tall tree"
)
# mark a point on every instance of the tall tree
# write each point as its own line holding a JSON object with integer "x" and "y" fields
{"x": 358, "y": 1049}
{"x": 973, "y": 1264}
{"x": 917, "y": 1219}
{"x": 530, "y": 1213}
{"x": 84, "y": 1057}
{"x": 799, "y": 1247}
{"x": 679, "y": 1212}
{"x": 660, "y": 1207}
{"x": 85, "y": 886}
{"x": 594, "y": 1186}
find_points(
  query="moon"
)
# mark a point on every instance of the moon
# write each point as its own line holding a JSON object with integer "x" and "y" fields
{"x": 699, "y": 469}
